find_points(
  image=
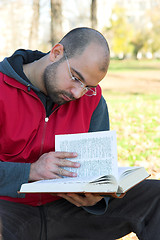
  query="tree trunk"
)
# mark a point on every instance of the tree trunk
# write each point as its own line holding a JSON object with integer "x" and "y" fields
{"x": 56, "y": 21}
{"x": 94, "y": 14}
{"x": 34, "y": 30}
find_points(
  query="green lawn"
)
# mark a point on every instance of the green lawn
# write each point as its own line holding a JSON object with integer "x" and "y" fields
{"x": 130, "y": 65}
{"x": 136, "y": 119}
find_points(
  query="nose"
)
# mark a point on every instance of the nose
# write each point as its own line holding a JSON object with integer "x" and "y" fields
{"x": 77, "y": 92}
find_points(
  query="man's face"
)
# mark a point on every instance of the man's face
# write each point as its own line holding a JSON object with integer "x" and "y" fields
{"x": 58, "y": 82}
{"x": 53, "y": 84}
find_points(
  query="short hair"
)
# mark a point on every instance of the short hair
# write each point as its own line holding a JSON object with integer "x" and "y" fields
{"x": 76, "y": 41}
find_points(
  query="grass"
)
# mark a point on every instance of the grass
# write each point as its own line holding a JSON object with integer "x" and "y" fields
{"x": 130, "y": 65}
{"x": 135, "y": 117}
{"x": 134, "y": 114}
{"x": 136, "y": 121}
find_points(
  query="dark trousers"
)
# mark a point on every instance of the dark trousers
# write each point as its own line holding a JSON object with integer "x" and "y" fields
{"x": 138, "y": 211}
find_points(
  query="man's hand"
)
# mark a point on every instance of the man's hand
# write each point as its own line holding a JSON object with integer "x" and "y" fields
{"x": 49, "y": 166}
{"x": 87, "y": 199}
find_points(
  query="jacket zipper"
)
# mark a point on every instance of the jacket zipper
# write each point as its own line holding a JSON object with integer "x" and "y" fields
{"x": 44, "y": 129}
{"x": 42, "y": 145}
{"x": 44, "y": 133}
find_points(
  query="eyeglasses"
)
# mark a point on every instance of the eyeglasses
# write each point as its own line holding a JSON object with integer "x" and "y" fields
{"x": 78, "y": 83}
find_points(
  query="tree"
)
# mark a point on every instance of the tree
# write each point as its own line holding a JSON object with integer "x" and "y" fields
{"x": 94, "y": 14}
{"x": 15, "y": 25}
{"x": 120, "y": 32}
{"x": 146, "y": 39}
{"x": 34, "y": 30}
{"x": 154, "y": 29}
{"x": 56, "y": 21}
{"x": 139, "y": 42}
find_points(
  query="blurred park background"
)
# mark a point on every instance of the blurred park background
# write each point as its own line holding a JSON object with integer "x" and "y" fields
{"x": 132, "y": 85}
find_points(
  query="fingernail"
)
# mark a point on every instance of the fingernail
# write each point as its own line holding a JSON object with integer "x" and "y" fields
{"x": 74, "y": 174}
{"x": 75, "y": 154}
{"x": 77, "y": 164}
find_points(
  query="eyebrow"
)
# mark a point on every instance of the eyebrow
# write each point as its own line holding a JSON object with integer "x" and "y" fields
{"x": 81, "y": 77}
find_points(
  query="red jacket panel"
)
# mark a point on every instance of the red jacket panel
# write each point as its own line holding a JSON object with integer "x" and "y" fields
{"x": 24, "y": 133}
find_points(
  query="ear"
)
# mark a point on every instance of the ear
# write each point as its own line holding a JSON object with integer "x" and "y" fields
{"x": 56, "y": 52}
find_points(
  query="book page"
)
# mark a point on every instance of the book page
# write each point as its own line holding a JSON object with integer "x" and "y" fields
{"x": 66, "y": 180}
{"x": 130, "y": 176}
{"x": 97, "y": 152}
{"x": 124, "y": 171}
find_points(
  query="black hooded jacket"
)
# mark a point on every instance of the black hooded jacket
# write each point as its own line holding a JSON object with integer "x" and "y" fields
{"x": 12, "y": 175}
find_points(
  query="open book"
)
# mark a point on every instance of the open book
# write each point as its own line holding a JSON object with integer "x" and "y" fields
{"x": 99, "y": 171}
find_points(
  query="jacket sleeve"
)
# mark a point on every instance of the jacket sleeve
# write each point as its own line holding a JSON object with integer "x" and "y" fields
{"x": 99, "y": 122}
{"x": 100, "y": 117}
{"x": 12, "y": 176}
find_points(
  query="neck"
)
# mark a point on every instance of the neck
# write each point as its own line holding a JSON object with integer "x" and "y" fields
{"x": 34, "y": 72}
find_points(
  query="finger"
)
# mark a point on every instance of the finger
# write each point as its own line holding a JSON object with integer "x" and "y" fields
{"x": 70, "y": 199}
{"x": 79, "y": 200}
{"x": 94, "y": 197}
{"x": 64, "y": 172}
{"x": 51, "y": 175}
{"x": 65, "y": 154}
{"x": 67, "y": 163}
{"x": 75, "y": 199}
{"x": 87, "y": 199}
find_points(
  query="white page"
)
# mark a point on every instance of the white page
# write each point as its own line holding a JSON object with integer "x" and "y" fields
{"x": 125, "y": 170}
{"x": 97, "y": 152}
{"x": 66, "y": 180}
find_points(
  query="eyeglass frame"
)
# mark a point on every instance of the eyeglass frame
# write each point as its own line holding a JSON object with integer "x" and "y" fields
{"x": 77, "y": 80}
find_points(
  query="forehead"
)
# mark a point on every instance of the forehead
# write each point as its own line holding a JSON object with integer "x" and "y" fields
{"x": 90, "y": 63}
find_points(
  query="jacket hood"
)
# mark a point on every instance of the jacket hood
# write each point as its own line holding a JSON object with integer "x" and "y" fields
{"x": 13, "y": 66}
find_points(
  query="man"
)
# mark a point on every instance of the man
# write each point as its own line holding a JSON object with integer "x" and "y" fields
{"x": 54, "y": 93}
